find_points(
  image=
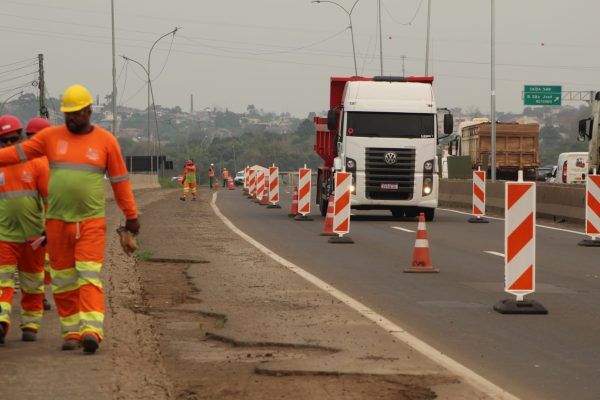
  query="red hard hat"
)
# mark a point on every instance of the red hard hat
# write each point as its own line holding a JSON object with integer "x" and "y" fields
{"x": 190, "y": 162}
{"x": 37, "y": 124}
{"x": 9, "y": 123}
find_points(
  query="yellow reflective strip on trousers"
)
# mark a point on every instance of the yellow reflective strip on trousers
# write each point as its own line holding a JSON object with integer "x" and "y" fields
{"x": 32, "y": 283}
{"x": 92, "y": 321}
{"x": 7, "y": 276}
{"x": 31, "y": 319}
{"x": 89, "y": 273}
{"x": 64, "y": 280}
{"x": 70, "y": 324}
{"x": 6, "y": 309}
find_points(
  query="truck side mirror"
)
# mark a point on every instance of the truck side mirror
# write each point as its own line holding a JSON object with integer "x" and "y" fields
{"x": 448, "y": 124}
{"x": 331, "y": 120}
{"x": 585, "y": 129}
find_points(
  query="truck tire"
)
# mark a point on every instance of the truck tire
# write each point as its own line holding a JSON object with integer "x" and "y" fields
{"x": 323, "y": 204}
{"x": 429, "y": 214}
{"x": 411, "y": 212}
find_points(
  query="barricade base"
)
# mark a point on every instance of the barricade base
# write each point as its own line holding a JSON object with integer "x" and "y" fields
{"x": 589, "y": 242}
{"x": 256, "y": 200}
{"x": 417, "y": 270}
{"x": 301, "y": 217}
{"x": 340, "y": 240}
{"x": 328, "y": 234}
{"x": 512, "y": 306}
{"x": 273, "y": 206}
{"x": 292, "y": 215}
{"x": 480, "y": 220}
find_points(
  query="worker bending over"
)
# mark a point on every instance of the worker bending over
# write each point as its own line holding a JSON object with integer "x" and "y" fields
{"x": 79, "y": 155}
{"x": 23, "y": 189}
{"x": 189, "y": 180}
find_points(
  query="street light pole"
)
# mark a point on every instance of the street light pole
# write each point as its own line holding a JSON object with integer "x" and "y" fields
{"x": 380, "y": 37}
{"x": 349, "y": 13}
{"x": 114, "y": 69}
{"x": 493, "y": 88}
{"x": 6, "y": 101}
{"x": 428, "y": 38}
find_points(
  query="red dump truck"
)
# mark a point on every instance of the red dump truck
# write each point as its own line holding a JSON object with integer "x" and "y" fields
{"x": 383, "y": 130}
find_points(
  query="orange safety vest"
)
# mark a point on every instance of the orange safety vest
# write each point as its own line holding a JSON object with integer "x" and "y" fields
{"x": 225, "y": 174}
{"x": 211, "y": 172}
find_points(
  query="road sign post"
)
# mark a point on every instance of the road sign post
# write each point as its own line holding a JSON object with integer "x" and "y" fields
{"x": 537, "y": 95}
{"x": 519, "y": 249}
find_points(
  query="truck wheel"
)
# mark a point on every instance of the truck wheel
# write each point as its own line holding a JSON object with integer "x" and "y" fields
{"x": 429, "y": 214}
{"x": 323, "y": 206}
{"x": 411, "y": 213}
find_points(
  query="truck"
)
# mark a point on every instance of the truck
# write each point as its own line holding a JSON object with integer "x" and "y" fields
{"x": 384, "y": 131}
{"x": 517, "y": 147}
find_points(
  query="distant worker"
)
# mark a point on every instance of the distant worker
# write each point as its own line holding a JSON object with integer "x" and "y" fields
{"x": 34, "y": 126}
{"x": 23, "y": 190}
{"x": 189, "y": 180}
{"x": 79, "y": 155}
{"x": 225, "y": 177}
{"x": 211, "y": 175}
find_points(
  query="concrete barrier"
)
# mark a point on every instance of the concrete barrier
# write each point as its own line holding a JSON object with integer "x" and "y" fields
{"x": 138, "y": 182}
{"x": 553, "y": 200}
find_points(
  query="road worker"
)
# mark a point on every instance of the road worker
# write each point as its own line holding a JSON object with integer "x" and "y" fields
{"x": 189, "y": 180}
{"x": 211, "y": 175}
{"x": 23, "y": 189}
{"x": 79, "y": 155}
{"x": 34, "y": 126}
{"x": 225, "y": 177}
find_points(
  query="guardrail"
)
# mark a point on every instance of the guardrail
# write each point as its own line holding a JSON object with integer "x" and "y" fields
{"x": 553, "y": 200}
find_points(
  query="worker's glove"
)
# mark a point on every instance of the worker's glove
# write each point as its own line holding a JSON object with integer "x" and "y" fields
{"x": 133, "y": 226}
{"x": 127, "y": 239}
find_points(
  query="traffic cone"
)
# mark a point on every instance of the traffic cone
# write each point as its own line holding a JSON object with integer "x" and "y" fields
{"x": 421, "y": 262}
{"x": 294, "y": 210}
{"x": 328, "y": 229}
{"x": 230, "y": 185}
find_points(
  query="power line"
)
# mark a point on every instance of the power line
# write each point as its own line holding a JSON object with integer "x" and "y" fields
{"x": 403, "y": 23}
{"x": 17, "y": 77}
{"x": 166, "y": 59}
{"x": 18, "y": 62}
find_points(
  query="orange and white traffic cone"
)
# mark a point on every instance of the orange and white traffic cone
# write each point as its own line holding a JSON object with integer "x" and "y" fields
{"x": 328, "y": 229}
{"x": 265, "y": 199}
{"x": 421, "y": 261}
{"x": 230, "y": 184}
{"x": 294, "y": 210}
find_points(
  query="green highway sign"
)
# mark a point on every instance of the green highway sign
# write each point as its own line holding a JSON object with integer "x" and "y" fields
{"x": 536, "y": 95}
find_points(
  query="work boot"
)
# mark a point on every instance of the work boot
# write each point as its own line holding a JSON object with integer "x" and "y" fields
{"x": 193, "y": 199}
{"x": 47, "y": 306}
{"x": 90, "y": 343}
{"x": 29, "y": 335}
{"x": 182, "y": 198}
{"x": 70, "y": 344}
{"x": 2, "y": 333}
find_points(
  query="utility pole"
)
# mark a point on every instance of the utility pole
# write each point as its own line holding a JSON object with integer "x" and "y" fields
{"x": 114, "y": 71}
{"x": 380, "y": 37}
{"x": 191, "y": 103}
{"x": 42, "y": 86}
{"x": 403, "y": 65}
{"x": 493, "y": 88}
{"x": 594, "y": 149}
{"x": 428, "y": 40}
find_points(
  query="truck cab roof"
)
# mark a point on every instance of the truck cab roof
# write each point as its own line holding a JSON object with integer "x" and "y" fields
{"x": 389, "y": 96}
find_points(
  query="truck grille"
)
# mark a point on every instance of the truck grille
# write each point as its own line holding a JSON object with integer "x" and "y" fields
{"x": 378, "y": 172}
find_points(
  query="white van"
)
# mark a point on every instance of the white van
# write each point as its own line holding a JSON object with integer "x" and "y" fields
{"x": 571, "y": 168}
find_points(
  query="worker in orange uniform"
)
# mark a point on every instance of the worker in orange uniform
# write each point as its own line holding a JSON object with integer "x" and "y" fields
{"x": 211, "y": 175}
{"x": 23, "y": 189}
{"x": 225, "y": 177}
{"x": 34, "y": 126}
{"x": 79, "y": 155}
{"x": 189, "y": 180}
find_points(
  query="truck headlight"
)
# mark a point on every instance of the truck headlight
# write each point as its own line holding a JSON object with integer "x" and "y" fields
{"x": 427, "y": 186}
{"x": 352, "y": 189}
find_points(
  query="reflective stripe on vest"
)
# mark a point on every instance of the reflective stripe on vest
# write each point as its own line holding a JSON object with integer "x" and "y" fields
{"x": 21, "y": 153}
{"x": 19, "y": 193}
{"x": 116, "y": 179}
{"x": 77, "y": 167}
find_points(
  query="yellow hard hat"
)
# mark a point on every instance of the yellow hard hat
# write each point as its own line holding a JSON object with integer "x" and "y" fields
{"x": 75, "y": 98}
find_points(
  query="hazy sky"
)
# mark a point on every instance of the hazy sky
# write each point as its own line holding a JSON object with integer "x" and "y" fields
{"x": 279, "y": 54}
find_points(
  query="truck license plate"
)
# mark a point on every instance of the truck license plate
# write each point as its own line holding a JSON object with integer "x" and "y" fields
{"x": 389, "y": 186}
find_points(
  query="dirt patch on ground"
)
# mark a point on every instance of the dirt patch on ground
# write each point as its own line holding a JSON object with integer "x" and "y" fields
{"x": 233, "y": 324}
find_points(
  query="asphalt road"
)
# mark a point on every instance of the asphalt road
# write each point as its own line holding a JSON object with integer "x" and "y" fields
{"x": 556, "y": 356}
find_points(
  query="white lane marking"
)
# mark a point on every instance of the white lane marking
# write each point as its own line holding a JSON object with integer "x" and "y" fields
{"x": 502, "y": 219}
{"x": 402, "y": 229}
{"x": 469, "y": 376}
{"x": 494, "y": 253}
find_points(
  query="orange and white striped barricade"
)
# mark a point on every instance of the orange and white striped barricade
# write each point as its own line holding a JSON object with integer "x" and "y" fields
{"x": 304, "y": 194}
{"x": 252, "y": 183}
{"x": 341, "y": 208}
{"x": 592, "y": 211}
{"x": 246, "y": 179}
{"x": 265, "y": 197}
{"x": 478, "y": 198}
{"x": 519, "y": 248}
{"x": 421, "y": 261}
{"x": 180, "y": 179}
{"x": 260, "y": 185}
{"x": 294, "y": 209}
{"x": 274, "y": 187}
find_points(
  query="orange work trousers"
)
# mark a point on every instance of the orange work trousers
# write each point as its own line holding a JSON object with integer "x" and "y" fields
{"x": 187, "y": 187}
{"x": 76, "y": 256}
{"x": 30, "y": 265}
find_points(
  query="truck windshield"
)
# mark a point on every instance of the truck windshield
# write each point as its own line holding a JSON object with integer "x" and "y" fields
{"x": 390, "y": 125}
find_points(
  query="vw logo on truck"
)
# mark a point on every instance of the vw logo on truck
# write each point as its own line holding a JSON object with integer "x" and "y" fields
{"x": 390, "y": 158}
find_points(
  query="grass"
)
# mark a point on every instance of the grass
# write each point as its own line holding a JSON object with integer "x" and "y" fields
{"x": 142, "y": 255}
